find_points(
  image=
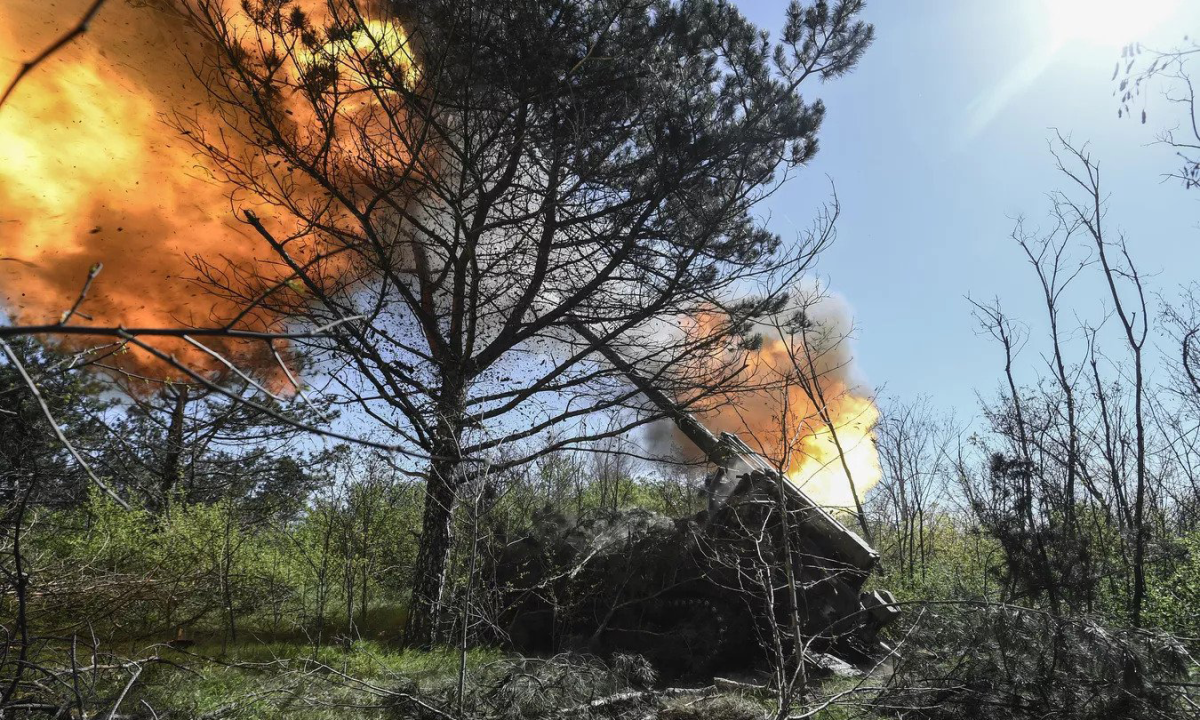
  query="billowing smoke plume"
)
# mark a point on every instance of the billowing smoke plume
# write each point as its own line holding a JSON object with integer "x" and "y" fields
{"x": 800, "y": 402}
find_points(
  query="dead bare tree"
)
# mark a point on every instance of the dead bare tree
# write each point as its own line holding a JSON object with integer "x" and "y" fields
{"x": 789, "y": 588}
{"x": 809, "y": 345}
{"x": 915, "y": 456}
{"x": 1079, "y": 467}
{"x": 1130, "y": 307}
{"x": 1176, "y": 421}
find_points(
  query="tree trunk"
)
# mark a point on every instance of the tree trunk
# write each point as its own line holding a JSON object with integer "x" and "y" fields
{"x": 433, "y": 552}
{"x": 423, "y": 628}
{"x": 172, "y": 471}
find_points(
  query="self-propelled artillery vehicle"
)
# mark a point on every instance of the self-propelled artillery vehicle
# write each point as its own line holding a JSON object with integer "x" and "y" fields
{"x": 763, "y": 564}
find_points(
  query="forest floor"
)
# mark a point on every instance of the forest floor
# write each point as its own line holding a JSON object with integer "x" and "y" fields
{"x": 293, "y": 680}
{"x": 370, "y": 680}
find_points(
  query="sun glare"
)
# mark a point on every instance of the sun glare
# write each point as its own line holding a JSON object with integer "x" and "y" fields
{"x": 1105, "y": 22}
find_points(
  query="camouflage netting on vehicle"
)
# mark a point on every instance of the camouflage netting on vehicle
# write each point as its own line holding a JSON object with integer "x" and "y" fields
{"x": 631, "y": 582}
{"x": 692, "y": 595}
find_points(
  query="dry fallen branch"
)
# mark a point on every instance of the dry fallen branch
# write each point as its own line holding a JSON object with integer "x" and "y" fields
{"x": 632, "y": 697}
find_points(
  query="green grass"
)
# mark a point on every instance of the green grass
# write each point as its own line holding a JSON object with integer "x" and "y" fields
{"x": 288, "y": 680}
{"x": 284, "y": 675}
{"x": 278, "y": 680}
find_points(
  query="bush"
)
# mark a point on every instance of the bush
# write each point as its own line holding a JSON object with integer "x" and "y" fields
{"x": 1173, "y": 593}
{"x": 999, "y": 662}
{"x": 212, "y": 569}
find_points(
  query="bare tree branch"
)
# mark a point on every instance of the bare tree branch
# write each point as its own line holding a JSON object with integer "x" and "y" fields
{"x": 62, "y": 438}
{"x": 80, "y": 28}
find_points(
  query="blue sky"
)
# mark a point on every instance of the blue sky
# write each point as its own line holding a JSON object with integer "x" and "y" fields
{"x": 940, "y": 139}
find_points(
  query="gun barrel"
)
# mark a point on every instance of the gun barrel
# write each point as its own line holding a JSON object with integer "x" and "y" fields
{"x": 731, "y": 453}
{"x": 708, "y": 443}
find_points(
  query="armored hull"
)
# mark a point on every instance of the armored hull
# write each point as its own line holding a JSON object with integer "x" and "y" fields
{"x": 763, "y": 567}
{"x": 692, "y": 595}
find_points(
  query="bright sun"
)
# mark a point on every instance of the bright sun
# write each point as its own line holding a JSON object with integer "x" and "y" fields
{"x": 1105, "y": 22}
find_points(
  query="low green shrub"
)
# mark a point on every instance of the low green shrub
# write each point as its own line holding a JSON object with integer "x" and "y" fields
{"x": 1000, "y": 662}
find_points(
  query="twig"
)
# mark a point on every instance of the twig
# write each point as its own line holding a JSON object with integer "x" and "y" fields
{"x": 80, "y": 28}
{"x": 295, "y": 383}
{"x": 128, "y": 686}
{"x": 121, "y": 331}
{"x": 33, "y": 388}
{"x": 87, "y": 284}
{"x": 383, "y": 692}
{"x": 234, "y": 368}
{"x": 75, "y": 676}
{"x": 197, "y": 377}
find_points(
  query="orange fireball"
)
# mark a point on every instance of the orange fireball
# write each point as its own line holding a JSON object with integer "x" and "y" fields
{"x": 93, "y": 169}
{"x": 796, "y": 402}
